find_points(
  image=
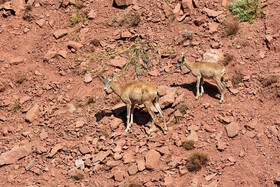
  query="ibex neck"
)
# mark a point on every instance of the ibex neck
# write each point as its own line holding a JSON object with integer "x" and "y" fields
{"x": 188, "y": 64}
{"x": 116, "y": 88}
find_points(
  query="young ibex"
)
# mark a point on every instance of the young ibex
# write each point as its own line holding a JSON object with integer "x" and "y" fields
{"x": 205, "y": 70}
{"x": 137, "y": 92}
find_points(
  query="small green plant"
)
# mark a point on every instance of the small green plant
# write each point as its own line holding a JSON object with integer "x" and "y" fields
{"x": 188, "y": 144}
{"x": 237, "y": 78}
{"x": 77, "y": 18}
{"x": 196, "y": 161}
{"x": 245, "y": 10}
{"x": 167, "y": 1}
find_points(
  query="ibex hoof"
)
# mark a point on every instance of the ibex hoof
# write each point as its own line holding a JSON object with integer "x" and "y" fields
{"x": 196, "y": 98}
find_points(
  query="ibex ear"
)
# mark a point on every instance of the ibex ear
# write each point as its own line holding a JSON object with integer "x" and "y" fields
{"x": 182, "y": 56}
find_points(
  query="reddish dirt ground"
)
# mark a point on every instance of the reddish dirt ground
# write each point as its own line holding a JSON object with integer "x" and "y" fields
{"x": 60, "y": 129}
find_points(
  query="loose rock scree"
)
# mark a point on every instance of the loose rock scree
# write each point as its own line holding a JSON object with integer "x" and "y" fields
{"x": 137, "y": 92}
{"x": 206, "y": 70}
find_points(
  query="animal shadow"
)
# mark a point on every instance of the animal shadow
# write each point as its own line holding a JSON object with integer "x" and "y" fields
{"x": 209, "y": 89}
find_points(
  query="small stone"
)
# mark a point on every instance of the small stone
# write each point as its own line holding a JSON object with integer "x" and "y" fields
{"x": 221, "y": 146}
{"x": 123, "y": 2}
{"x": 252, "y": 124}
{"x": 132, "y": 170}
{"x": 168, "y": 181}
{"x": 91, "y": 14}
{"x": 194, "y": 183}
{"x": 211, "y": 13}
{"x": 141, "y": 164}
{"x": 44, "y": 135}
{"x": 118, "y": 62}
{"x": 126, "y": 34}
{"x": 5, "y": 131}
{"x": 277, "y": 178}
{"x": 84, "y": 150}
{"x": 154, "y": 72}
{"x": 232, "y": 129}
{"x": 193, "y": 136}
{"x": 49, "y": 55}
{"x": 115, "y": 123}
{"x": 40, "y": 22}
{"x": 17, "y": 60}
{"x": 112, "y": 163}
{"x": 60, "y": 33}
{"x": 87, "y": 78}
{"x": 209, "y": 177}
{"x": 213, "y": 55}
{"x": 32, "y": 114}
{"x": 152, "y": 159}
{"x": 79, "y": 124}
{"x": 177, "y": 8}
{"x": 30, "y": 165}
{"x": 163, "y": 150}
{"x": 75, "y": 45}
{"x": 15, "y": 154}
{"x": 162, "y": 90}
{"x": 62, "y": 53}
{"x": 55, "y": 149}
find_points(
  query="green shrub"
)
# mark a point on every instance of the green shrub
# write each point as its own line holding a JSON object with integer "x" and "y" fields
{"x": 245, "y": 10}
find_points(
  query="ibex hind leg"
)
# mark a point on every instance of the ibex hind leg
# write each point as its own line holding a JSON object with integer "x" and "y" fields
{"x": 162, "y": 115}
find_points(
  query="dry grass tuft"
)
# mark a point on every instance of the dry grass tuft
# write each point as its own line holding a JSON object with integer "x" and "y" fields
{"x": 95, "y": 42}
{"x": 26, "y": 15}
{"x": 20, "y": 78}
{"x": 227, "y": 59}
{"x": 231, "y": 27}
{"x": 132, "y": 19}
{"x": 196, "y": 161}
{"x": 188, "y": 144}
{"x": 79, "y": 175}
{"x": 15, "y": 105}
{"x": 237, "y": 78}
{"x": 271, "y": 79}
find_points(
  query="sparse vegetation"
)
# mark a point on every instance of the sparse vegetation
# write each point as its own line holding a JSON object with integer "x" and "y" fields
{"x": 196, "y": 160}
{"x": 237, "y": 78}
{"x": 77, "y": 18}
{"x": 79, "y": 175}
{"x": 20, "y": 78}
{"x": 246, "y": 10}
{"x": 188, "y": 144}
{"x": 187, "y": 35}
{"x": 227, "y": 59}
{"x": 15, "y": 105}
{"x": 27, "y": 15}
{"x": 139, "y": 55}
{"x": 271, "y": 79}
{"x": 231, "y": 27}
{"x": 95, "y": 42}
{"x": 131, "y": 18}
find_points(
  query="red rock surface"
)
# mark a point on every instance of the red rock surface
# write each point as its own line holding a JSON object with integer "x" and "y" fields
{"x": 58, "y": 126}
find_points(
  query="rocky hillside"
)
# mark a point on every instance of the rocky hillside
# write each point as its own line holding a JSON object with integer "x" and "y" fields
{"x": 58, "y": 127}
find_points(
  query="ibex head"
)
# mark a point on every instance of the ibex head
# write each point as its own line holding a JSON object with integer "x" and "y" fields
{"x": 180, "y": 60}
{"x": 108, "y": 82}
